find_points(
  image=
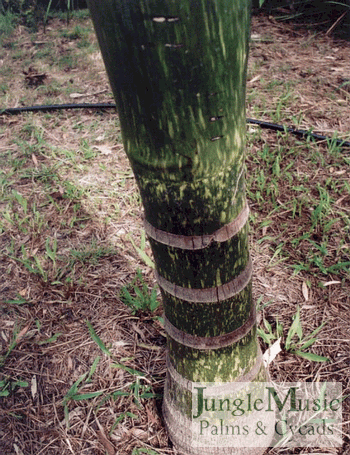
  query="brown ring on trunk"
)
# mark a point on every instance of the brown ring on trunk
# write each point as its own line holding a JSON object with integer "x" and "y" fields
{"x": 197, "y": 242}
{"x": 215, "y": 342}
{"x": 208, "y": 295}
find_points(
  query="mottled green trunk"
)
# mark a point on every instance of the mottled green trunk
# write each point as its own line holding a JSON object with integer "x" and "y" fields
{"x": 178, "y": 70}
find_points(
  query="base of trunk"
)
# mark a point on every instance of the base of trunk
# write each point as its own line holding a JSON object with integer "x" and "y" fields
{"x": 179, "y": 431}
{"x": 179, "y": 425}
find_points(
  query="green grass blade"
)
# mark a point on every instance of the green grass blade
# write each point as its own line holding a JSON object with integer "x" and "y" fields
{"x": 97, "y": 339}
{"x": 307, "y": 344}
{"x": 266, "y": 337}
{"x": 19, "y": 301}
{"x": 93, "y": 368}
{"x": 129, "y": 370}
{"x": 146, "y": 259}
{"x": 295, "y": 328}
{"x": 47, "y": 13}
{"x": 50, "y": 340}
{"x": 339, "y": 266}
{"x": 86, "y": 396}
{"x": 73, "y": 390}
{"x": 315, "y": 332}
{"x": 311, "y": 357}
{"x": 142, "y": 450}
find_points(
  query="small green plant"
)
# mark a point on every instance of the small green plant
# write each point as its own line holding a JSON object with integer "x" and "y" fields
{"x": 68, "y": 62}
{"x": 97, "y": 339}
{"x": 18, "y": 301}
{"x": 32, "y": 263}
{"x": 77, "y": 33}
{"x": 120, "y": 418}
{"x": 137, "y": 390}
{"x": 7, "y": 386}
{"x": 137, "y": 297}
{"x": 140, "y": 391}
{"x": 47, "y": 14}
{"x": 277, "y": 115}
{"x": 260, "y": 305}
{"x": 8, "y": 22}
{"x": 74, "y": 394}
{"x": 142, "y": 450}
{"x": 51, "y": 339}
{"x": 141, "y": 250}
{"x": 17, "y": 335}
{"x": 296, "y": 342}
{"x": 323, "y": 209}
{"x": 71, "y": 191}
{"x": 334, "y": 148}
{"x": 42, "y": 174}
{"x": 270, "y": 334}
{"x": 91, "y": 253}
{"x": 21, "y": 200}
{"x": 51, "y": 251}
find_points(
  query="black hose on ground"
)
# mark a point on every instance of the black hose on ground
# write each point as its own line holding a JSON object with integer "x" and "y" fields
{"x": 300, "y": 133}
{"x": 55, "y": 107}
{"x": 262, "y": 124}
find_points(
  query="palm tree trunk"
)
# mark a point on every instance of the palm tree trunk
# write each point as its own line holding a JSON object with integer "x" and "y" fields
{"x": 178, "y": 71}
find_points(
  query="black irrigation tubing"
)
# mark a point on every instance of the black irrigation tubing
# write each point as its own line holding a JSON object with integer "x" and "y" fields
{"x": 300, "y": 133}
{"x": 262, "y": 124}
{"x": 55, "y": 107}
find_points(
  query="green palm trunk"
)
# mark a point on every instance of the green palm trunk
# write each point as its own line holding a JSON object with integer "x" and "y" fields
{"x": 178, "y": 70}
